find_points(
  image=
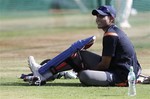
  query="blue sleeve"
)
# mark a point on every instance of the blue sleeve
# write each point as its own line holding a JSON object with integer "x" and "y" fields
{"x": 109, "y": 45}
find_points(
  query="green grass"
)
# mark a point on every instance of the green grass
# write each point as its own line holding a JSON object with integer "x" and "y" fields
{"x": 41, "y": 31}
{"x": 66, "y": 89}
{"x": 14, "y": 52}
{"x": 5, "y": 15}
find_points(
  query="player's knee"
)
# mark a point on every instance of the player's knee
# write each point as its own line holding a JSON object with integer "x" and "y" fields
{"x": 84, "y": 77}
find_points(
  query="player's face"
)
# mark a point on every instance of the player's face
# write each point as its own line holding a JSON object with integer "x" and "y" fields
{"x": 103, "y": 21}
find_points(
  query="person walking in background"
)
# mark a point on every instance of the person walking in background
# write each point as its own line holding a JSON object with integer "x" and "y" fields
{"x": 124, "y": 8}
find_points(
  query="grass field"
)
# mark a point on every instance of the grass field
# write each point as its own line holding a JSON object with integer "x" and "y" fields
{"x": 47, "y": 36}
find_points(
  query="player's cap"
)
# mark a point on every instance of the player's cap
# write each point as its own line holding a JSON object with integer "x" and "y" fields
{"x": 105, "y": 11}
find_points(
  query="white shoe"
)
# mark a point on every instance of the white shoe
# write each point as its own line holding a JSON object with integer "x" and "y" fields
{"x": 70, "y": 75}
{"x": 146, "y": 80}
{"x": 125, "y": 25}
{"x": 34, "y": 67}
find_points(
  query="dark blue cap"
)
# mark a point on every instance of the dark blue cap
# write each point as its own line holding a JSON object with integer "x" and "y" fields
{"x": 105, "y": 11}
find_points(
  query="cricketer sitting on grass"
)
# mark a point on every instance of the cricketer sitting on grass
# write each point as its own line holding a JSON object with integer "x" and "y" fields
{"x": 110, "y": 69}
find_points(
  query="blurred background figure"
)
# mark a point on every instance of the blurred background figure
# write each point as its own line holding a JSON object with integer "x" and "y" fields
{"x": 124, "y": 9}
{"x": 104, "y": 2}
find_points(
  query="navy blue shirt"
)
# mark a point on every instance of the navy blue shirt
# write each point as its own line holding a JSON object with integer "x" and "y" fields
{"x": 122, "y": 52}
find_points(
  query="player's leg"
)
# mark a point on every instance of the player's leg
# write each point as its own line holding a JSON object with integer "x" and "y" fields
{"x": 48, "y": 75}
{"x": 124, "y": 8}
{"x": 26, "y": 77}
{"x": 75, "y": 61}
{"x": 83, "y": 60}
{"x": 96, "y": 78}
{"x": 51, "y": 67}
{"x": 90, "y": 59}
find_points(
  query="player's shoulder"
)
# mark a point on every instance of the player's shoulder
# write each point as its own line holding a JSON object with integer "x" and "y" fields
{"x": 110, "y": 34}
{"x": 112, "y": 31}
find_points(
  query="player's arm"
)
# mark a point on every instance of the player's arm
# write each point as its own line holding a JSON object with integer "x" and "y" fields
{"x": 104, "y": 64}
{"x": 109, "y": 46}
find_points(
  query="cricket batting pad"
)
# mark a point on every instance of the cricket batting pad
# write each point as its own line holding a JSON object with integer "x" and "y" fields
{"x": 80, "y": 44}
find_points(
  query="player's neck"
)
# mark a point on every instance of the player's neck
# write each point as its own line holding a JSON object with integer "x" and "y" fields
{"x": 105, "y": 28}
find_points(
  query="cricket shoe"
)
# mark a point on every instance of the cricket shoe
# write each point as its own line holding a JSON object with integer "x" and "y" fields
{"x": 70, "y": 75}
{"x": 34, "y": 67}
{"x": 146, "y": 80}
{"x": 34, "y": 80}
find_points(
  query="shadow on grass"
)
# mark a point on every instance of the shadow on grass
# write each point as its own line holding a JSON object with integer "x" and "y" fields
{"x": 48, "y": 84}
{"x": 57, "y": 84}
{"x": 14, "y": 84}
{"x": 65, "y": 84}
{"x": 110, "y": 95}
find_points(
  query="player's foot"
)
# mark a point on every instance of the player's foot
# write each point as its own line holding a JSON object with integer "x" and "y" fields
{"x": 146, "y": 80}
{"x": 34, "y": 68}
{"x": 125, "y": 25}
{"x": 34, "y": 80}
{"x": 25, "y": 75}
{"x": 70, "y": 75}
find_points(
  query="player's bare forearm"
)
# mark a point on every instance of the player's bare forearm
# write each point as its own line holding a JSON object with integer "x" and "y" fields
{"x": 104, "y": 64}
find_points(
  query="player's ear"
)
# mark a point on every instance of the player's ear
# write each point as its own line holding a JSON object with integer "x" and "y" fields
{"x": 112, "y": 20}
